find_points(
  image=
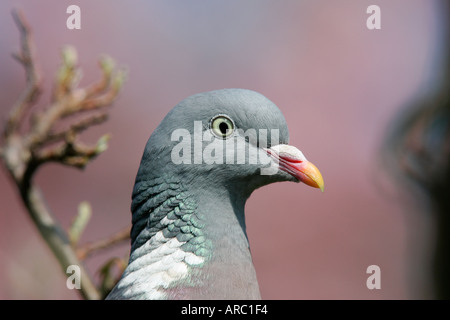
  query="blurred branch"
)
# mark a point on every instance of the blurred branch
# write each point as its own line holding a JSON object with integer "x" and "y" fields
{"x": 79, "y": 222}
{"x": 24, "y": 149}
{"x": 33, "y": 78}
{"x": 91, "y": 247}
{"x": 418, "y": 154}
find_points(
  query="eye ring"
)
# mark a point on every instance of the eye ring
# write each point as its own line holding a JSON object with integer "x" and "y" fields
{"x": 222, "y": 126}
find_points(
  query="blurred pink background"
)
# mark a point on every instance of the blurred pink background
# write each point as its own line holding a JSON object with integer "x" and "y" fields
{"x": 338, "y": 84}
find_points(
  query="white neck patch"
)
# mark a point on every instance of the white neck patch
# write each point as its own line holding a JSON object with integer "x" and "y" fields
{"x": 155, "y": 266}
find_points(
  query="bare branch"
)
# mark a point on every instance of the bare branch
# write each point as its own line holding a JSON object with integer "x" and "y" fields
{"x": 117, "y": 238}
{"x": 56, "y": 238}
{"x": 33, "y": 79}
{"x": 23, "y": 153}
{"x": 78, "y": 127}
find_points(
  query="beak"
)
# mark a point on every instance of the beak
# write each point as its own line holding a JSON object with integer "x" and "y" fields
{"x": 292, "y": 161}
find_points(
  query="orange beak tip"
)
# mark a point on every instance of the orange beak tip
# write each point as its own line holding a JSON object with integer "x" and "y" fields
{"x": 311, "y": 176}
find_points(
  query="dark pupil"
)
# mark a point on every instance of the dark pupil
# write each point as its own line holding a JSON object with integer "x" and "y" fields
{"x": 223, "y": 127}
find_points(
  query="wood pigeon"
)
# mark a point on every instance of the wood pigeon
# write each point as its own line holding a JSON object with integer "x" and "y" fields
{"x": 200, "y": 165}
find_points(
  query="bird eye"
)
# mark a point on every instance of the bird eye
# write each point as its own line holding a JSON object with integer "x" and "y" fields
{"x": 222, "y": 126}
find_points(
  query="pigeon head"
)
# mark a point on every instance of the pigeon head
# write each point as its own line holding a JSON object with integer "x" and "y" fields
{"x": 234, "y": 139}
{"x": 199, "y": 167}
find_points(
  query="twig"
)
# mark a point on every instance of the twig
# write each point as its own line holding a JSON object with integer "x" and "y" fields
{"x": 33, "y": 81}
{"x": 89, "y": 248}
{"x": 77, "y": 127}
